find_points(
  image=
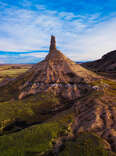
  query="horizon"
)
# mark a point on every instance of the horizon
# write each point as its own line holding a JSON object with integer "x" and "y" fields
{"x": 84, "y": 31}
{"x": 32, "y": 60}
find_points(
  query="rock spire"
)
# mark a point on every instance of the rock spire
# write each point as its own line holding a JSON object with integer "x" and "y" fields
{"x": 56, "y": 74}
{"x": 53, "y": 44}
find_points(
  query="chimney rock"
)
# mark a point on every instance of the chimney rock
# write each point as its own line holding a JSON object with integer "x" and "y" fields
{"x": 53, "y": 43}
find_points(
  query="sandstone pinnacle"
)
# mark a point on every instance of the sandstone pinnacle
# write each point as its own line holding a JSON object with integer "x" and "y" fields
{"x": 56, "y": 74}
{"x": 53, "y": 44}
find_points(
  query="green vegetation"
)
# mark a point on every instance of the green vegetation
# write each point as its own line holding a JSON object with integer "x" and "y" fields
{"x": 36, "y": 140}
{"x": 111, "y": 90}
{"x": 102, "y": 82}
{"x": 106, "y": 85}
{"x": 86, "y": 144}
{"x": 30, "y": 110}
{"x": 12, "y": 71}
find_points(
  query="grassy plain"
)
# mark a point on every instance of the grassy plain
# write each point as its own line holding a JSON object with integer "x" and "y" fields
{"x": 12, "y": 71}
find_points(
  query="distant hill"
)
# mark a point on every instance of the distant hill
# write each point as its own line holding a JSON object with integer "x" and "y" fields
{"x": 106, "y": 65}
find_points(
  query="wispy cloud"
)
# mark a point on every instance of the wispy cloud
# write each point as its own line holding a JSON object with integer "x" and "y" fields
{"x": 79, "y": 36}
{"x": 38, "y": 55}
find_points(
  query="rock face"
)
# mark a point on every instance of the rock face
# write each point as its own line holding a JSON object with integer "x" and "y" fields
{"x": 53, "y": 44}
{"x": 98, "y": 116}
{"x": 56, "y": 74}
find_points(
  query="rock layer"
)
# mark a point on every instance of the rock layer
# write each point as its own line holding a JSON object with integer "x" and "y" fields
{"x": 96, "y": 114}
{"x": 57, "y": 74}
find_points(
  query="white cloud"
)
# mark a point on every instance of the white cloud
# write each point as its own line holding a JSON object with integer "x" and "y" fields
{"x": 97, "y": 41}
{"x": 2, "y": 62}
{"x": 79, "y": 37}
{"x": 38, "y": 55}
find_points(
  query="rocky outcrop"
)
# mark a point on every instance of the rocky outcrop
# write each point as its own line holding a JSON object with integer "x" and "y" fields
{"x": 94, "y": 114}
{"x": 52, "y": 44}
{"x": 56, "y": 74}
{"x": 61, "y": 76}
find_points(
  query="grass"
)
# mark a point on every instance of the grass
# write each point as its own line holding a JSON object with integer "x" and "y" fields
{"x": 107, "y": 86}
{"x": 36, "y": 140}
{"x": 33, "y": 109}
{"x": 86, "y": 144}
{"x": 12, "y": 71}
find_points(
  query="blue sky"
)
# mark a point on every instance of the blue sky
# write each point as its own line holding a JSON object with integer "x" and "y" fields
{"x": 84, "y": 29}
